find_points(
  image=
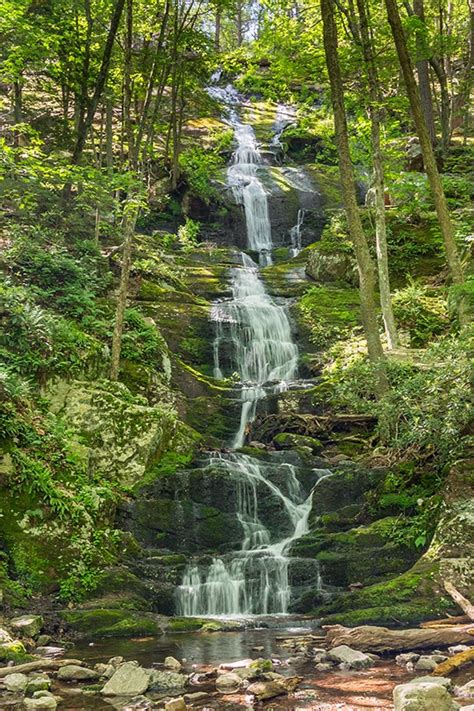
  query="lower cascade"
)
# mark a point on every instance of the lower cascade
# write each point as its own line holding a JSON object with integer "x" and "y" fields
{"x": 254, "y": 580}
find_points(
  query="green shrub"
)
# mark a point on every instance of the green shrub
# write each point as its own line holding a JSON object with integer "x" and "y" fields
{"x": 420, "y": 311}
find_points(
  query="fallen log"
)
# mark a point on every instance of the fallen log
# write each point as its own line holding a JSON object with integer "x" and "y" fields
{"x": 382, "y": 639}
{"x": 40, "y": 664}
{"x": 446, "y": 622}
{"x": 454, "y": 663}
{"x": 466, "y": 606}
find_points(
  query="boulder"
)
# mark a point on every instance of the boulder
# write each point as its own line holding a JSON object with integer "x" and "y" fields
{"x": 128, "y": 680}
{"x": 5, "y": 636}
{"x": 16, "y": 683}
{"x": 323, "y": 666}
{"x": 466, "y": 691}
{"x": 172, "y": 664}
{"x": 43, "y": 640}
{"x": 72, "y": 672}
{"x": 403, "y": 659}
{"x": 166, "y": 680}
{"x": 27, "y": 625}
{"x": 422, "y": 696}
{"x": 439, "y": 680}
{"x": 45, "y": 701}
{"x": 425, "y": 663}
{"x": 261, "y": 665}
{"x": 263, "y": 690}
{"x": 40, "y": 682}
{"x": 334, "y": 266}
{"x": 351, "y": 657}
{"x": 178, "y": 704}
{"x": 228, "y": 683}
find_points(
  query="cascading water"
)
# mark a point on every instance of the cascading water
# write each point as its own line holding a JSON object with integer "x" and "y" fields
{"x": 255, "y": 579}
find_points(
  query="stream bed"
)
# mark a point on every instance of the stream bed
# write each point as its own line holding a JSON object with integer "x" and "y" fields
{"x": 321, "y": 691}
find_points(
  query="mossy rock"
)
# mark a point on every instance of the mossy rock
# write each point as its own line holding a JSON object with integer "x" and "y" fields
{"x": 97, "y": 623}
{"x": 185, "y": 624}
{"x": 14, "y": 652}
{"x": 287, "y": 440}
{"x": 411, "y": 597}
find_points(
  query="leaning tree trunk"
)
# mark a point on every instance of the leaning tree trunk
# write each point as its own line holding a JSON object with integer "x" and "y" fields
{"x": 423, "y": 74}
{"x": 379, "y": 182}
{"x": 364, "y": 260}
{"x": 452, "y": 255}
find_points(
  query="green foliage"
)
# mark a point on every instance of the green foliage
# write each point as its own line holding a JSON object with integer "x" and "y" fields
{"x": 201, "y": 168}
{"x": 421, "y": 311}
{"x": 330, "y": 313}
{"x": 427, "y": 410}
{"x": 188, "y": 234}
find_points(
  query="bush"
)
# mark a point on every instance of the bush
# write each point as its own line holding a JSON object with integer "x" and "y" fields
{"x": 201, "y": 168}
{"x": 420, "y": 311}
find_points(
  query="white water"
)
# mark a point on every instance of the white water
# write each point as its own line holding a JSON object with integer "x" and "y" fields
{"x": 295, "y": 234}
{"x": 255, "y": 579}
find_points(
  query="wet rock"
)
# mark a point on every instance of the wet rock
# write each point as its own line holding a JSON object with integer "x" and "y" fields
{"x": 439, "y": 680}
{"x": 195, "y": 697}
{"x": 422, "y": 696}
{"x": 172, "y": 664}
{"x": 166, "y": 680}
{"x": 261, "y": 665}
{"x": 353, "y": 658}
{"x": 15, "y": 682}
{"x": 49, "y": 651}
{"x": 403, "y": 659}
{"x": 138, "y": 702}
{"x": 258, "y": 649}
{"x": 73, "y": 672}
{"x": 458, "y": 648}
{"x": 425, "y": 663}
{"x": 228, "y": 683}
{"x": 41, "y": 700}
{"x": 466, "y": 691}
{"x": 178, "y": 704}
{"x": 115, "y": 662}
{"x": 43, "y": 640}
{"x": 325, "y": 267}
{"x": 105, "y": 670}
{"x": 323, "y": 666}
{"x": 263, "y": 690}
{"x": 5, "y": 636}
{"x": 27, "y": 625}
{"x": 128, "y": 680}
{"x": 320, "y": 655}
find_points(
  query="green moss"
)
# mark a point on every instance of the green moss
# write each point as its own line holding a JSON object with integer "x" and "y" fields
{"x": 14, "y": 652}
{"x": 185, "y": 624}
{"x": 284, "y": 440}
{"x": 109, "y": 623}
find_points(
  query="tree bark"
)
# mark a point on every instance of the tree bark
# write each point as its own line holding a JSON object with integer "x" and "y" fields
{"x": 379, "y": 181}
{"x": 382, "y": 639}
{"x": 466, "y": 606}
{"x": 217, "y": 30}
{"x": 364, "y": 260}
{"x": 127, "y": 83}
{"x": 423, "y": 73}
{"x": 452, "y": 256}
{"x": 129, "y": 221}
{"x": 84, "y": 127}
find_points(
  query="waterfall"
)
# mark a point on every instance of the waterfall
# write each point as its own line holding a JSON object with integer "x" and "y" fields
{"x": 255, "y": 579}
{"x": 295, "y": 234}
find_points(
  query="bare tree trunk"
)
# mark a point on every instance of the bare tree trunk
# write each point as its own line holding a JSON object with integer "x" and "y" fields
{"x": 129, "y": 222}
{"x": 364, "y": 261}
{"x": 239, "y": 24}
{"x": 439, "y": 70}
{"x": 452, "y": 256}
{"x": 467, "y": 83}
{"x": 379, "y": 181}
{"x": 109, "y": 135}
{"x": 423, "y": 74}
{"x": 127, "y": 82}
{"x": 217, "y": 30}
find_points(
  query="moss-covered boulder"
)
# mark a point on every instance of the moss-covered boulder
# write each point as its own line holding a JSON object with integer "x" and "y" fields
{"x": 98, "y": 623}
{"x": 120, "y": 434}
{"x": 288, "y": 440}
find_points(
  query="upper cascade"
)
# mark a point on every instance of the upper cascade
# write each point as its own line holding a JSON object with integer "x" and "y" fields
{"x": 254, "y": 579}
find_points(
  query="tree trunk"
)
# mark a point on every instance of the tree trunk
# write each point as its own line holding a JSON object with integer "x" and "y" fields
{"x": 84, "y": 127}
{"x": 17, "y": 111}
{"x": 423, "y": 73}
{"x": 239, "y": 24}
{"x": 440, "y": 72}
{"x": 452, "y": 256}
{"x": 379, "y": 182}
{"x": 217, "y": 30}
{"x": 129, "y": 221}
{"x": 364, "y": 261}
{"x": 127, "y": 83}
{"x": 109, "y": 135}
{"x": 467, "y": 83}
